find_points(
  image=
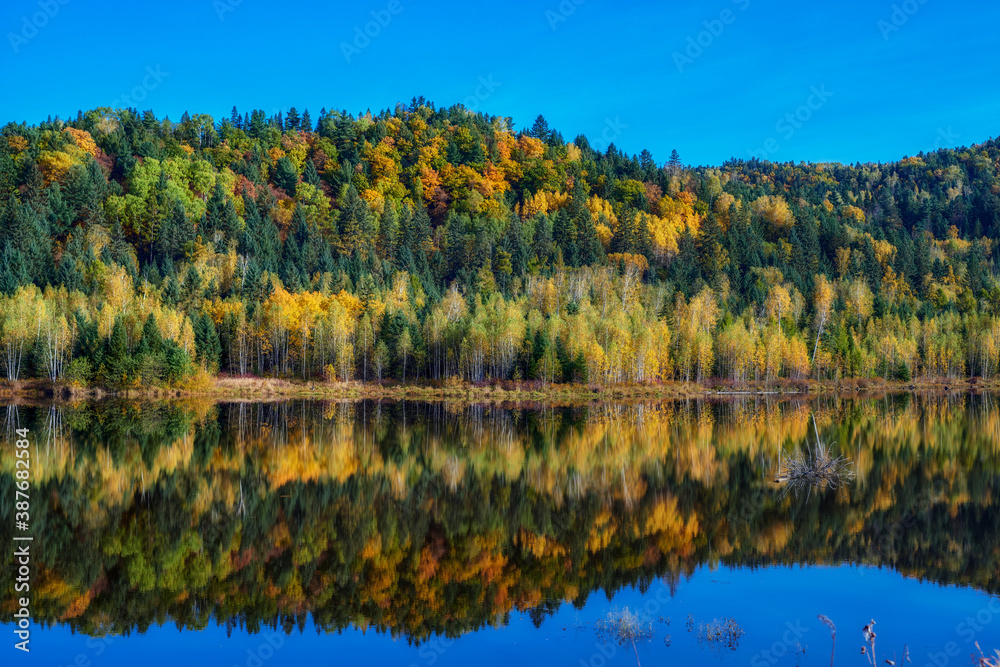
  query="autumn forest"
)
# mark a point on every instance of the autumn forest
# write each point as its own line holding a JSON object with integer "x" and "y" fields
{"x": 431, "y": 244}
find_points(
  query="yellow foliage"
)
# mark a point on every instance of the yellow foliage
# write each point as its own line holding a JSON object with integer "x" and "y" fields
{"x": 599, "y": 207}
{"x": 16, "y": 143}
{"x": 775, "y": 211}
{"x": 83, "y": 140}
{"x": 54, "y": 165}
{"x": 854, "y": 214}
{"x": 531, "y": 147}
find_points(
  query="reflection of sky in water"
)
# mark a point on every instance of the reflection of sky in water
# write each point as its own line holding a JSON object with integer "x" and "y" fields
{"x": 771, "y": 604}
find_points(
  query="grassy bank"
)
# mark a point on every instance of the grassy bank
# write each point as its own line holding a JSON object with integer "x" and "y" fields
{"x": 223, "y": 387}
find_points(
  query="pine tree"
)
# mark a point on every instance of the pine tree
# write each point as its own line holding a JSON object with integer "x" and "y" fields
{"x": 712, "y": 255}
{"x": 564, "y": 234}
{"x": 310, "y": 175}
{"x": 540, "y": 129}
{"x": 685, "y": 269}
{"x": 285, "y": 176}
{"x": 674, "y": 163}
{"x": 206, "y": 342}
{"x": 513, "y": 243}
{"x": 355, "y": 226}
{"x": 388, "y": 230}
{"x": 151, "y": 341}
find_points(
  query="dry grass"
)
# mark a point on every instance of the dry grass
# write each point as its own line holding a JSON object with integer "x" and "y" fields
{"x": 723, "y": 633}
{"x": 817, "y": 468}
{"x": 625, "y": 627}
{"x": 984, "y": 660}
{"x": 500, "y": 391}
{"x": 868, "y": 650}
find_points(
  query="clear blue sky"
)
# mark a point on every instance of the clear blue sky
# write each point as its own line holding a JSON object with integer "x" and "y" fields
{"x": 926, "y": 77}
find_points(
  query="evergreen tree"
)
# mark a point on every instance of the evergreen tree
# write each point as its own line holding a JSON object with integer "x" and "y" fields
{"x": 151, "y": 341}
{"x": 310, "y": 175}
{"x": 513, "y": 244}
{"x": 356, "y": 229}
{"x": 285, "y": 176}
{"x": 206, "y": 342}
{"x": 712, "y": 255}
{"x": 564, "y": 234}
{"x": 685, "y": 270}
{"x": 540, "y": 129}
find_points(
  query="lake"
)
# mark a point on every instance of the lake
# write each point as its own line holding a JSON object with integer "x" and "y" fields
{"x": 398, "y": 533}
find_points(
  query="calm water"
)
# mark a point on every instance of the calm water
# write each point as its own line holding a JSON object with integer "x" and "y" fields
{"x": 302, "y": 533}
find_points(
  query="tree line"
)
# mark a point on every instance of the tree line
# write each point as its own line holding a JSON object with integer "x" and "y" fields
{"x": 426, "y": 243}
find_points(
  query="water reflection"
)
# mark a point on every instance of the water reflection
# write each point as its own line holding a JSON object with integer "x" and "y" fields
{"x": 416, "y": 519}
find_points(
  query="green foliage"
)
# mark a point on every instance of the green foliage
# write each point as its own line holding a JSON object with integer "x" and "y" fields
{"x": 186, "y": 216}
{"x": 78, "y": 372}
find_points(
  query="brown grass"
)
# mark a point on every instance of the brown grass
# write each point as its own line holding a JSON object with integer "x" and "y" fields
{"x": 505, "y": 391}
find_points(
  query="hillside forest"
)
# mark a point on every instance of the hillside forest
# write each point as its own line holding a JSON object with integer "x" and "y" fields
{"x": 433, "y": 244}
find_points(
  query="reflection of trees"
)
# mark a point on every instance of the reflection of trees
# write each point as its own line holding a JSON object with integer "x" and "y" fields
{"x": 416, "y": 519}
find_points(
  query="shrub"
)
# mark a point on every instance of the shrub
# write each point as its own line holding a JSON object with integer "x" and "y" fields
{"x": 78, "y": 372}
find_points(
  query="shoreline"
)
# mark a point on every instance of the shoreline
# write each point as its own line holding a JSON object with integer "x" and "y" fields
{"x": 241, "y": 388}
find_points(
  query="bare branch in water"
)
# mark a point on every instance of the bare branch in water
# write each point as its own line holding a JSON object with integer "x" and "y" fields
{"x": 817, "y": 468}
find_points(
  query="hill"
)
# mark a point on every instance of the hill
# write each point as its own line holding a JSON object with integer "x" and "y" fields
{"x": 434, "y": 243}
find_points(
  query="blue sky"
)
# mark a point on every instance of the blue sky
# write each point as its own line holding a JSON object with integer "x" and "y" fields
{"x": 835, "y": 81}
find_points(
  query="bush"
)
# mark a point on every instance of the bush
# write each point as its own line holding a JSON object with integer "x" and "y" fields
{"x": 78, "y": 372}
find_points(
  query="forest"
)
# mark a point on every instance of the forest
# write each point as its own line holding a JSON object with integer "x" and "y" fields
{"x": 419, "y": 519}
{"x": 426, "y": 244}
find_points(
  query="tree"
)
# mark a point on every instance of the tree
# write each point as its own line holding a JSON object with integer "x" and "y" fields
{"x": 18, "y": 318}
{"x": 859, "y": 299}
{"x": 356, "y": 228}
{"x": 712, "y": 256}
{"x": 405, "y": 347}
{"x": 285, "y": 176}
{"x": 823, "y": 299}
{"x": 674, "y": 163}
{"x": 540, "y": 129}
{"x": 206, "y": 341}
{"x": 380, "y": 358}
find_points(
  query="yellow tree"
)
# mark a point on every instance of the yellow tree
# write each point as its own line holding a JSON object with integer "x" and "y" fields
{"x": 779, "y": 302}
{"x": 56, "y": 339}
{"x": 823, "y": 298}
{"x": 859, "y": 300}
{"x": 19, "y": 320}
